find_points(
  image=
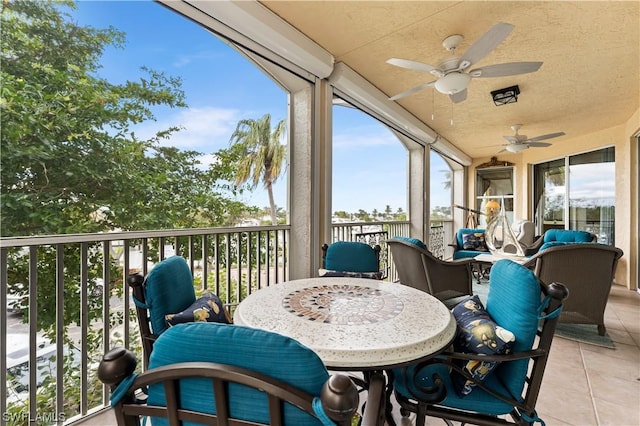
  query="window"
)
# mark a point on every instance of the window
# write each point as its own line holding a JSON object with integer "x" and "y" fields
{"x": 441, "y": 187}
{"x": 577, "y": 192}
{"x": 494, "y": 184}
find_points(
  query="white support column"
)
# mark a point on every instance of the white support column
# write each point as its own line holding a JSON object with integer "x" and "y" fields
{"x": 309, "y": 178}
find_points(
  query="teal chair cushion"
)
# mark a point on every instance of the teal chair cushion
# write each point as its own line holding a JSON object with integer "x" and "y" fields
{"x": 513, "y": 301}
{"x": 478, "y": 400}
{"x": 168, "y": 290}
{"x": 262, "y": 351}
{"x": 567, "y": 236}
{"x": 351, "y": 256}
{"x": 414, "y": 241}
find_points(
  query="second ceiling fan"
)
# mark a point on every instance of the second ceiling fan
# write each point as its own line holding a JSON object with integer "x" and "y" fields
{"x": 518, "y": 142}
{"x": 454, "y": 74}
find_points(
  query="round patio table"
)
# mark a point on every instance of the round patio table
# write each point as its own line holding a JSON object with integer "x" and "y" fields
{"x": 353, "y": 323}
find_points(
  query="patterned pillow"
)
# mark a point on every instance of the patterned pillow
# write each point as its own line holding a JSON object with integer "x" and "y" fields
{"x": 208, "y": 308}
{"x": 477, "y": 333}
{"x": 330, "y": 273}
{"x": 474, "y": 241}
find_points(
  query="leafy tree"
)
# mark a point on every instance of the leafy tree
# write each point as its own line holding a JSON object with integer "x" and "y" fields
{"x": 72, "y": 162}
{"x": 262, "y": 154}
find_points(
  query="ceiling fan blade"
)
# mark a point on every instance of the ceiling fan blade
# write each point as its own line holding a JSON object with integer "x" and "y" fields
{"x": 412, "y": 65}
{"x": 485, "y": 44}
{"x": 458, "y": 97}
{"x": 545, "y": 137}
{"x": 412, "y": 91}
{"x": 501, "y": 151}
{"x": 504, "y": 70}
{"x": 538, "y": 144}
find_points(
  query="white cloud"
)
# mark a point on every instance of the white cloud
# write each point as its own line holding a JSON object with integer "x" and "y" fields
{"x": 204, "y": 129}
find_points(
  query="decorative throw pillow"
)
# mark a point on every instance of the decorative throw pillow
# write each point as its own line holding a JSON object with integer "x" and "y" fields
{"x": 479, "y": 334}
{"x": 474, "y": 241}
{"x": 332, "y": 273}
{"x": 208, "y": 308}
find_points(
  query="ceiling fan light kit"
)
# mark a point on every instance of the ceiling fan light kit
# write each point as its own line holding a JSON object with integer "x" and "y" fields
{"x": 517, "y": 147}
{"x": 453, "y": 83}
{"x": 508, "y": 95}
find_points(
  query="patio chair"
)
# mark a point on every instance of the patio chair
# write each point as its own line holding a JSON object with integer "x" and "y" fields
{"x": 587, "y": 270}
{"x": 494, "y": 373}
{"x": 418, "y": 268}
{"x": 351, "y": 259}
{"x": 469, "y": 243}
{"x": 208, "y": 373}
{"x": 167, "y": 296}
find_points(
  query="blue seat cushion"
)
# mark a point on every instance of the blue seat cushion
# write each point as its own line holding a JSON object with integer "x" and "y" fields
{"x": 351, "y": 256}
{"x": 265, "y": 352}
{"x": 477, "y": 401}
{"x": 464, "y": 254}
{"x": 168, "y": 290}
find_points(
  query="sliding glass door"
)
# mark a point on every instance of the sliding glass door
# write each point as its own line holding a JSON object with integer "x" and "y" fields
{"x": 577, "y": 192}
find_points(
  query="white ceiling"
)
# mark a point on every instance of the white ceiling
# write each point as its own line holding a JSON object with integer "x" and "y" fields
{"x": 590, "y": 51}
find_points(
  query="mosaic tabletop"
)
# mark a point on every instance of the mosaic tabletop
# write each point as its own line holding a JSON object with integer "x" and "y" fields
{"x": 352, "y": 323}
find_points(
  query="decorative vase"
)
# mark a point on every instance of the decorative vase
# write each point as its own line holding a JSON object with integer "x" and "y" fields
{"x": 508, "y": 245}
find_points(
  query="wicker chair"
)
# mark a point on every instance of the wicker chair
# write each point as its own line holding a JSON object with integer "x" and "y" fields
{"x": 519, "y": 302}
{"x": 211, "y": 373}
{"x": 587, "y": 269}
{"x": 418, "y": 268}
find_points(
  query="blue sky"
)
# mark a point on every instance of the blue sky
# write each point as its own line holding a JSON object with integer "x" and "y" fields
{"x": 222, "y": 87}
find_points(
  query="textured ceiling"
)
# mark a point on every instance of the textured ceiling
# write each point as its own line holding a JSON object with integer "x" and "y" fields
{"x": 590, "y": 51}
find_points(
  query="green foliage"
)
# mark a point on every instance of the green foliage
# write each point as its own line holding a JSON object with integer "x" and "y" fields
{"x": 71, "y": 161}
{"x": 258, "y": 155}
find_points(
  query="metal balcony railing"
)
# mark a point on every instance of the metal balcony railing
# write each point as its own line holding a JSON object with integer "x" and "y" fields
{"x": 72, "y": 300}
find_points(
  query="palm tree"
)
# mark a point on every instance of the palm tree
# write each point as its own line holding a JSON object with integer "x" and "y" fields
{"x": 263, "y": 154}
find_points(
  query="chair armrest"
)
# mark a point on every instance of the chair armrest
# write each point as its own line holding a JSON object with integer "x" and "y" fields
{"x": 534, "y": 247}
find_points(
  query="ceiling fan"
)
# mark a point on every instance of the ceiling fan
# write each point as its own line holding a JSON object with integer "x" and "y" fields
{"x": 453, "y": 73}
{"x": 518, "y": 142}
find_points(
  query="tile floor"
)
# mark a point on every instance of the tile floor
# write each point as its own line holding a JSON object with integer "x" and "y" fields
{"x": 584, "y": 384}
